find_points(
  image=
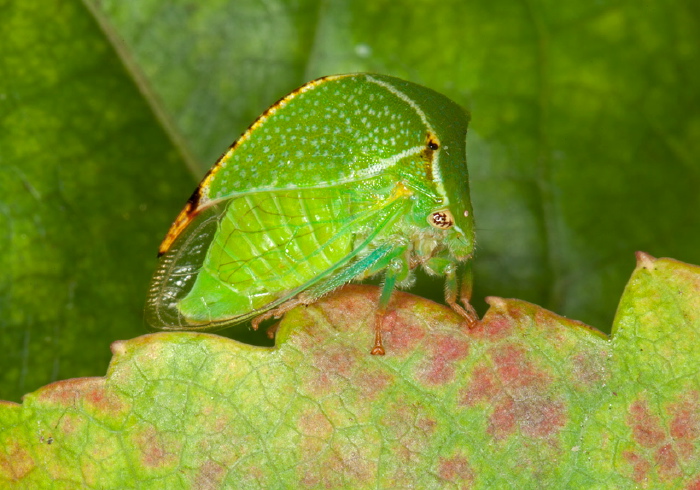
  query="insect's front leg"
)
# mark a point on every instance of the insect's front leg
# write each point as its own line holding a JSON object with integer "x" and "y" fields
{"x": 458, "y": 285}
{"x": 464, "y": 271}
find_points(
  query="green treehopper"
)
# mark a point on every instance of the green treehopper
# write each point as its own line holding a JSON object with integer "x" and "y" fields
{"x": 347, "y": 177}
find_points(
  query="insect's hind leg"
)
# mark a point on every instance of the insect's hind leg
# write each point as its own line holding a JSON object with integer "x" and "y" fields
{"x": 278, "y": 312}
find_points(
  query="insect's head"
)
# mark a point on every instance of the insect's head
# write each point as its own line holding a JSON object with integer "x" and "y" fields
{"x": 459, "y": 228}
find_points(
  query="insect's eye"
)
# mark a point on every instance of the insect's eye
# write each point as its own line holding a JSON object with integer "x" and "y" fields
{"x": 442, "y": 219}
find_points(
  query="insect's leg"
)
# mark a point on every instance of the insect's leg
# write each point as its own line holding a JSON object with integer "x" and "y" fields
{"x": 452, "y": 288}
{"x": 397, "y": 270}
{"x": 453, "y": 272}
{"x": 277, "y": 312}
{"x": 465, "y": 291}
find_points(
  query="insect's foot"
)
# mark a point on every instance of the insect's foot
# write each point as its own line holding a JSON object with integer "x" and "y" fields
{"x": 255, "y": 322}
{"x": 272, "y": 330}
{"x": 467, "y": 312}
{"x": 471, "y": 317}
{"x": 472, "y": 322}
{"x": 378, "y": 350}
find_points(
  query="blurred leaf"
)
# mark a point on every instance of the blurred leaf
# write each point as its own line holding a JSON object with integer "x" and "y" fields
{"x": 89, "y": 183}
{"x": 527, "y": 399}
{"x": 585, "y": 138}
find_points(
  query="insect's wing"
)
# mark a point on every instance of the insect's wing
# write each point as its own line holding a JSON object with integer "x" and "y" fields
{"x": 252, "y": 252}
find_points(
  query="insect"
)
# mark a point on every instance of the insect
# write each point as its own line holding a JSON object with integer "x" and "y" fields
{"x": 347, "y": 177}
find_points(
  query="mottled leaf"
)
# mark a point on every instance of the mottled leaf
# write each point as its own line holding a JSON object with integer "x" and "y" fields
{"x": 528, "y": 399}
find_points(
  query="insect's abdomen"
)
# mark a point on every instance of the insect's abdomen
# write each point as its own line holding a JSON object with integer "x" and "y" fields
{"x": 267, "y": 244}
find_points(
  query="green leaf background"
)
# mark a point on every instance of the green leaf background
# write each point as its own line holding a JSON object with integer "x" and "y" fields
{"x": 583, "y": 145}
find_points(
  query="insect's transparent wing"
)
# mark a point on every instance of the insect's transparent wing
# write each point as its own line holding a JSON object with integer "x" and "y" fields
{"x": 251, "y": 253}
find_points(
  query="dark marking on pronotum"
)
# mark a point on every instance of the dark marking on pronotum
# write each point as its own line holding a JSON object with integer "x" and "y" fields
{"x": 183, "y": 219}
{"x": 428, "y": 154}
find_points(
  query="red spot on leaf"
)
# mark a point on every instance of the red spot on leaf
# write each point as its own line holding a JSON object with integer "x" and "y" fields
{"x": 316, "y": 431}
{"x": 156, "y": 449}
{"x": 543, "y": 418}
{"x": 310, "y": 479}
{"x": 397, "y": 419}
{"x": 400, "y": 336}
{"x": 96, "y": 396}
{"x": 590, "y": 369}
{"x": 684, "y": 425}
{"x": 646, "y": 427}
{"x": 456, "y": 470}
{"x": 15, "y": 462}
{"x": 694, "y": 485}
{"x": 220, "y": 423}
{"x": 104, "y": 400}
{"x": 408, "y": 428}
{"x": 483, "y": 387}
{"x": 520, "y": 394}
{"x": 686, "y": 450}
{"x": 444, "y": 352}
{"x": 640, "y": 466}
{"x": 649, "y": 431}
{"x": 210, "y": 475}
{"x": 68, "y": 392}
{"x": 685, "y": 419}
{"x": 69, "y": 423}
{"x": 337, "y": 469}
{"x": 494, "y": 327}
{"x": 349, "y": 305}
{"x": 502, "y": 420}
{"x": 535, "y": 418}
{"x": 667, "y": 462}
{"x": 514, "y": 370}
{"x": 335, "y": 358}
{"x": 426, "y": 425}
{"x": 333, "y": 366}
{"x": 64, "y": 395}
{"x": 372, "y": 383}
{"x": 315, "y": 424}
